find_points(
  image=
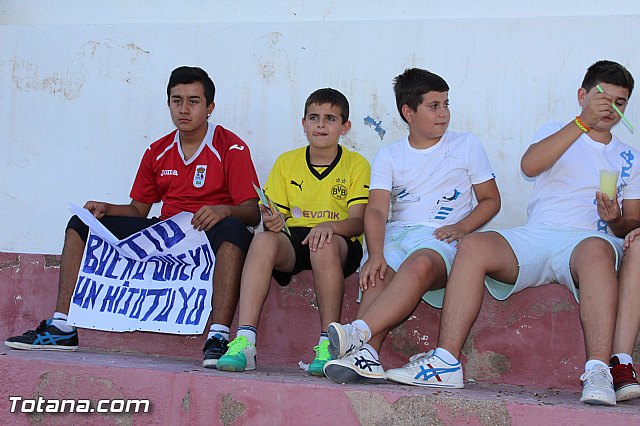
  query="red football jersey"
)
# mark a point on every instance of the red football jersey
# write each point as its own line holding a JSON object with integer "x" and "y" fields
{"x": 220, "y": 172}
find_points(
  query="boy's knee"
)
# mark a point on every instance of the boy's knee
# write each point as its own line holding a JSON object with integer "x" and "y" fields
{"x": 420, "y": 263}
{"x": 264, "y": 240}
{"x": 78, "y": 227}
{"x": 229, "y": 230}
{"x": 470, "y": 245}
{"x": 593, "y": 249}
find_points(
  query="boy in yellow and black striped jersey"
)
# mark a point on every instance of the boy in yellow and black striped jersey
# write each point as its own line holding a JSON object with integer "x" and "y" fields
{"x": 321, "y": 191}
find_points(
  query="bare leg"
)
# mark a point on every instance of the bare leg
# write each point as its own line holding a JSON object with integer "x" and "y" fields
{"x": 369, "y": 296}
{"x": 70, "y": 260}
{"x": 226, "y": 283}
{"x": 479, "y": 254}
{"x": 421, "y": 271}
{"x": 328, "y": 278}
{"x": 592, "y": 266}
{"x": 628, "y": 320}
{"x": 268, "y": 250}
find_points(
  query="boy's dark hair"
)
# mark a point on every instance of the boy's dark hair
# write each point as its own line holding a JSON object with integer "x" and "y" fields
{"x": 607, "y": 72}
{"x": 412, "y": 84}
{"x": 329, "y": 96}
{"x": 188, "y": 75}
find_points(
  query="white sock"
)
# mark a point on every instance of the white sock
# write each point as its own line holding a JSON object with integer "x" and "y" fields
{"x": 249, "y": 333}
{"x": 222, "y": 330}
{"x": 592, "y": 363}
{"x": 60, "y": 320}
{"x": 445, "y": 355}
{"x": 373, "y": 351}
{"x": 624, "y": 358}
{"x": 323, "y": 337}
{"x": 359, "y": 324}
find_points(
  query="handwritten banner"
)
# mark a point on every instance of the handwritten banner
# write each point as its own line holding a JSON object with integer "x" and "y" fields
{"x": 158, "y": 279}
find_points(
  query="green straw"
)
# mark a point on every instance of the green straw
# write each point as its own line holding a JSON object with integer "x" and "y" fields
{"x": 624, "y": 119}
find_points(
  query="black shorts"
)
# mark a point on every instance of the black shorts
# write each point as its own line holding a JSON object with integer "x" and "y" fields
{"x": 303, "y": 256}
{"x": 230, "y": 229}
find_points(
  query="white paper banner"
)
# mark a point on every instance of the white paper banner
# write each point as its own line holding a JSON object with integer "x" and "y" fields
{"x": 159, "y": 279}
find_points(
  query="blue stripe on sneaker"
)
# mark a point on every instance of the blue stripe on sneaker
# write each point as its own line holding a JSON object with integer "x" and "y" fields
{"x": 427, "y": 373}
{"x": 51, "y": 339}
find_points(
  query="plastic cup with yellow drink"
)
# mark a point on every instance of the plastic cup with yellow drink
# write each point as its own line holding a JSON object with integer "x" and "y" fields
{"x": 609, "y": 182}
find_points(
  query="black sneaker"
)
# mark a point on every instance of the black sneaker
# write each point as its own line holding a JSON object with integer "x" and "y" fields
{"x": 46, "y": 337}
{"x": 215, "y": 347}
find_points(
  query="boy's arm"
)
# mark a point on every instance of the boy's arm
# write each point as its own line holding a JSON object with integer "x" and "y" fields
{"x": 488, "y": 206}
{"x": 542, "y": 155}
{"x": 133, "y": 209}
{"x": 375, "y": 222}
{"x": 207, "y": 216}
{"x": 620, "y": 222}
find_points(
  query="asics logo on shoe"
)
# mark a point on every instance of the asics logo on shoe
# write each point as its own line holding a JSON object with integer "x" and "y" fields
{"x": 236, "y": 146}
{"x": 50, "y": 339}
{"x": 427, "y": 373}
{"x": 363, "y": 363}
{"x": 353, "y": 348}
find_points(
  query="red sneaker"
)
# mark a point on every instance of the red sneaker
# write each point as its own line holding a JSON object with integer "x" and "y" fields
{"x": 625, "y": 380}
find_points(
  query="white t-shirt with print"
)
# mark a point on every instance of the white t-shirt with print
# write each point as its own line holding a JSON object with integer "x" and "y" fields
{"x": 565, "y": 195}
{"x": 431, "y": 186}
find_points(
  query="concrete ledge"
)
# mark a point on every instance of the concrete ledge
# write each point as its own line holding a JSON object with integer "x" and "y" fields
{"x": 533, "y": 339}
{"x": 181, "y": 392}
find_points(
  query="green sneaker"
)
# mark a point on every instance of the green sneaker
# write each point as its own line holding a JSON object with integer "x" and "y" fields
{"x": 322, "y": 357}
{"x": 240, "y": 356}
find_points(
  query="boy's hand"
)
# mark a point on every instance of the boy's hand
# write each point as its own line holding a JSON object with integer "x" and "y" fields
{"x": 608, "y": 210}
{"x": 448, "y": 233}
{"x": 630, "y": 237}
{"x": 374, "y": 267}
{"x": 207, "y": 216}
{"x": 271, "y": 222}
{"x": 596, "y": 107}
{"x": 319, "y": 235}
{"x": 97, "y": 208}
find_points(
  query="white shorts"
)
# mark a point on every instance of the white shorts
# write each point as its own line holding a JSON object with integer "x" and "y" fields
{"x": 544, "y": 256}
{"x": 402, "y": 241}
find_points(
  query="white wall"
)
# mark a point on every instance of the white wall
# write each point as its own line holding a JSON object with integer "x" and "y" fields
{"x": 83, "y": 83}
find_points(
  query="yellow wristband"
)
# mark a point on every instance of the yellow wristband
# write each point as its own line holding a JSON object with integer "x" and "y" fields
{"x": 581, "y": 125}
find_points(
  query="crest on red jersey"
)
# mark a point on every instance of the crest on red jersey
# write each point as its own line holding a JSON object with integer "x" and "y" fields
{"x": 199, "y": 176}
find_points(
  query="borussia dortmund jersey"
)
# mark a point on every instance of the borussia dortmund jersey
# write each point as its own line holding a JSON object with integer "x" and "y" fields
{"x": 310, "y": 194}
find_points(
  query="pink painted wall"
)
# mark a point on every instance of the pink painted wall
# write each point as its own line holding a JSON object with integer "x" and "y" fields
{"x": 512, "y": 342}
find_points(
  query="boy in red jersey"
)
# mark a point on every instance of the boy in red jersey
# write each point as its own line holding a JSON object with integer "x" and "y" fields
{"x": 199, "y": 168}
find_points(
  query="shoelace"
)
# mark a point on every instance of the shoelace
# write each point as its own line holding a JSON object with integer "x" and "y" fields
{"x": 419, "y": 359}
{"x": 237, "y": 345}
{"x": 596, "y": 377}
{"x": 357, "y": 335}
{"x": 322, "y": 351}
{"x": 623, "y": 371}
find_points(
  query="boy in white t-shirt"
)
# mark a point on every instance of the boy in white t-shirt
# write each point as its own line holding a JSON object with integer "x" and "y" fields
{"x": 573, "y": 237}
{"x": 429, "y": 178}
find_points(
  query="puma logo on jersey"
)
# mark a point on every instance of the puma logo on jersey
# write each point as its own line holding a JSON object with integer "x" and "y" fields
{"x": 236, "y": 146}
{"x": 299, "y": 185}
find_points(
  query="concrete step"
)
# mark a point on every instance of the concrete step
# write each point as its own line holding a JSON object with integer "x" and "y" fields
{"x": 532, "y": 339}
{"x": 183, "y": 393}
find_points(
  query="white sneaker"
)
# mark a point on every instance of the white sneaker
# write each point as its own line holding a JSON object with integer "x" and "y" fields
{"x": 345, "y": 339}
{"x": 597, "y": 386}
{"x": 426, "y": 369}
{"x": 361, "y": 367}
